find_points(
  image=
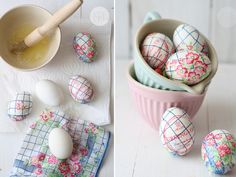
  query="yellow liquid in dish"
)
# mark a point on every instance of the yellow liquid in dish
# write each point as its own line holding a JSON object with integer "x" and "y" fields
{"x": 33, "y": 56}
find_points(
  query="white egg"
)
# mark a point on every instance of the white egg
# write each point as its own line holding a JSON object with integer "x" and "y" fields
{"x": 60, "y": 143}
{"x": 49, "y": 92}
{"x": 177, "y": 131}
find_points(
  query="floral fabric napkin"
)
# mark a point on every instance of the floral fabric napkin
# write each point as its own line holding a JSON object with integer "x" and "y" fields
{"x": 35, "y": 159}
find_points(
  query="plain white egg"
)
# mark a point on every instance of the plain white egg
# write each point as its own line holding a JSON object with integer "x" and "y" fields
{"x": 60, "y": 143}
{"x": 49, "y": 93}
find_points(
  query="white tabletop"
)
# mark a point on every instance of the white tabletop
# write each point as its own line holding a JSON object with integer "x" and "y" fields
{"x": 139, "y": 152}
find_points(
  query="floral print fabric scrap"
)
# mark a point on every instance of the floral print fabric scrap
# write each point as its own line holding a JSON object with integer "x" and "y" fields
{"x": 218, "y": 151}
{"x": 35, "y": 159}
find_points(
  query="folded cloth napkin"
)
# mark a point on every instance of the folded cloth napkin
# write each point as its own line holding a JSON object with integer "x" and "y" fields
{"x": 35, "y": 159}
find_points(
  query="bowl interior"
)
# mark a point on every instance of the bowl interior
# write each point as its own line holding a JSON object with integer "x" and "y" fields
{"x": 12, "y": 20}
{"x": 167, "y": 27}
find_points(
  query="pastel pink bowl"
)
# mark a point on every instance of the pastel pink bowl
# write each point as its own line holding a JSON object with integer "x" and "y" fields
{"x": 152, "y": 102}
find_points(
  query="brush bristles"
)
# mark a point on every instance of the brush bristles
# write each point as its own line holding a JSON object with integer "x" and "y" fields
{"x": 18, "y": 48}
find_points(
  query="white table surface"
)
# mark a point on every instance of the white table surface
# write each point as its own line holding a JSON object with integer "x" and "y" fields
{"x": 10, "y": 143}
{"x": 138, "y": 150}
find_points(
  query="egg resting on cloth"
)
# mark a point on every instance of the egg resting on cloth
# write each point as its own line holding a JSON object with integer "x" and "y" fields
{"x": 219, "y": 151}
{"x": 176, "y": 131}
{"x": 80, "y": 89}
{"x": 20, "y": 107}
{"x": 34, "y": 158}
{"x": 85, "y": 46}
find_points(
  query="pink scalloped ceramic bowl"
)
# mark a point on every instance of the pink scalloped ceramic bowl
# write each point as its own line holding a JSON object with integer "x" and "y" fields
{"x": 152, "y": 102}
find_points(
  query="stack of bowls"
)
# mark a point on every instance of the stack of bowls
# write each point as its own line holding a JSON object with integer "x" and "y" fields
{"x": 154, "y": 93}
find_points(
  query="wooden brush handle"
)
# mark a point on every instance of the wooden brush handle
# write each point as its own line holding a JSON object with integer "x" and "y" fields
{"x": 57, "y": 18}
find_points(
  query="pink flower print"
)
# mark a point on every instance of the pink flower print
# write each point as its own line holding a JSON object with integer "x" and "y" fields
{"x": 211, "y": 142}
{"x": 64, "y": 168}
{"x": 38, "y": 171}
{"x": 72, "y": 175}
{"x": 39, "y": 165}
{"x": 41, "y": 156}
{"x": 223, "y": 150}
{"x": 190, "y": 57}
{"x": 182, "y": 72}
{"x": 89, "y": 42}
{"x": 218, "y": 136}
{"x": 77, "y": 47}
{"x": 209, "y": 136}
{"x": 52, "y": 159}
{"x": 74, "y": 157}
{"x": 77, "y": 167}
{"x": 35, "y": 160}
{"x": 86, "y": 130}
{"x": 83, "y": 47}
{"x": 218, "y": 164}
{"x": 233, "y": 144}
{"x": 19, "y": 105}
{"x": 90, "y": 54}
{"x": 83, "y": 151}
{"x": 33, "y": 125}
{"x": 46, "y": 115}
{"x": 229, "y": 137}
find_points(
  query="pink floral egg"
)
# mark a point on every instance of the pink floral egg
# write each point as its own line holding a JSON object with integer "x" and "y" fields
{"x": 219, "y": 151}
{"x": 186, "y": 37}
{"x": 155, "y": 49}
{"x": 85, "y": 47}
{"x": 189, "y": 67}
{"x": 176, "y": 131}
{"x": 20, "y": 107}
{"x": 80, "y": 89}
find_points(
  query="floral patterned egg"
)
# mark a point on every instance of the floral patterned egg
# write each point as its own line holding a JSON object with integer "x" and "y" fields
{"x": 155, "y": 49}
{"x": 186, "y": 37}
{"x": 219, "y": 151}
{"x": 176, "y": 131}
{"x": 20, "y": 107}
{"x": 85, "y": 46}
{"x": 189, "y": 67}
{"x": 80, "y": 89}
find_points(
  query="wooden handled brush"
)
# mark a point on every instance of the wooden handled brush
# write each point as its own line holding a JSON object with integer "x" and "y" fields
{"x": 39, "y": 33}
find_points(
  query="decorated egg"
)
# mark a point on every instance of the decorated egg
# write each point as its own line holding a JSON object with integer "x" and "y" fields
{"x": 60, "y": 143}
{"x": 176, "y": 131}
{"x": 219, "y": 151}
{"x": 85, "y": 46}
{"x": 20, "y": 107}
{"x": 155, "y": 49}
{"x": 186, "y": 37}
{"x": 80, "y": 89}
{"x": 49, "y": 93}
{"x": 189, "y": 67}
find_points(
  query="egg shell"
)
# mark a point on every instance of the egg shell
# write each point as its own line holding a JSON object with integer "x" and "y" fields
{"x": 186, "y": 37}
{"x": 85, "y": 46}
{"x": 20, "y": 107}
{"x": 60, "y": 143}
{"x": 80, "y": 89}
{"x": 189, "y": 67}
{"x": 176, "y": 131}
{"x": 49, "y": 92}
{"x": 155, "y": 49}
{"x": 219, "y": 151}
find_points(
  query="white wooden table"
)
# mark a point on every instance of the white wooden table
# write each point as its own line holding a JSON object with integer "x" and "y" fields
{"x": 139, "y": 152}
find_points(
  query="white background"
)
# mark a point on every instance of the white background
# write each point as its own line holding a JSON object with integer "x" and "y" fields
{"x": 214, "y": 18}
